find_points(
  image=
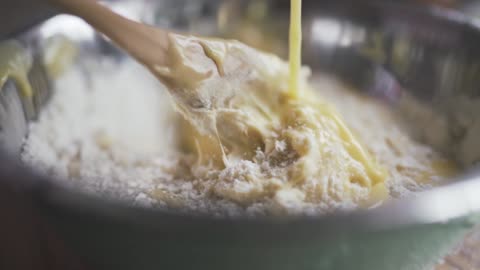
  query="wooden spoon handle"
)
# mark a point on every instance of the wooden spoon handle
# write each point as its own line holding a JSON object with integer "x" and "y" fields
{"x": 146, "y": 43}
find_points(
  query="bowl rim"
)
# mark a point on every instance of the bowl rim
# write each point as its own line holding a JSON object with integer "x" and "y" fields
{"x": 455, "y": 201}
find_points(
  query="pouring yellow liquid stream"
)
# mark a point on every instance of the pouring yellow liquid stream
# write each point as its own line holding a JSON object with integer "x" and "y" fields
{"x": 295, "y": 47}
{"x": 375, "y": 172}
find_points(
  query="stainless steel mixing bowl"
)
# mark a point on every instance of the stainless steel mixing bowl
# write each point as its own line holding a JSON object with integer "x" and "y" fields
{"x": 437, "y": 60}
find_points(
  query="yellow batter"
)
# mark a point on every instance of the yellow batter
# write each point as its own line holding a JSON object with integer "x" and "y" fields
{"x": 16, "y": 61}
{"x": 15, "y": 64}
{"x": 241, "y": 104}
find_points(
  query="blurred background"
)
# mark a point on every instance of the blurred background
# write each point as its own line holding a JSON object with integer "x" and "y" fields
{"x": 471, "y": 7}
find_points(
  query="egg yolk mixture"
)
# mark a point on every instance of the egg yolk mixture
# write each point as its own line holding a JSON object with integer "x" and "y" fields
{"x": 14, "y": 64}
{"x": 240, "y": 104}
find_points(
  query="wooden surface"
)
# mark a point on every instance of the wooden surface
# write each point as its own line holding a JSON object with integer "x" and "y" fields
{"x": 466, "y": 257}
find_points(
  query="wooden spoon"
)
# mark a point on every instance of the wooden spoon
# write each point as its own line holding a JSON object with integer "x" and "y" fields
{"x": 147, "y": 44}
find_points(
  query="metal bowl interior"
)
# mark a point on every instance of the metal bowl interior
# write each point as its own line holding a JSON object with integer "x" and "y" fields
{"x": 361, "y": 48}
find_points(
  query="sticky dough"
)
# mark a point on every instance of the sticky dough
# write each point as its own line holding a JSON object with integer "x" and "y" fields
{"x": 236, "y": 109}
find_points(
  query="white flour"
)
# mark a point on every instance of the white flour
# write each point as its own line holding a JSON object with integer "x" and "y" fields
{"x": 113, "y": 135}
{"x": 122, "y": 106}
